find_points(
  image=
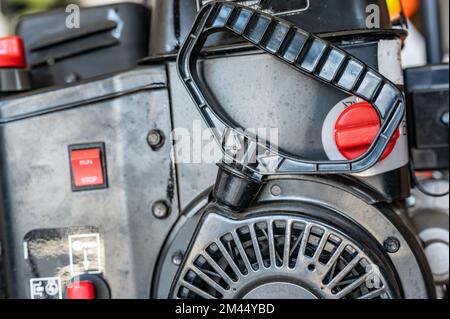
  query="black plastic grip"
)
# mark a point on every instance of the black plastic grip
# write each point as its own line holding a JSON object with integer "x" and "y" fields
{"x": 304, "y": 52}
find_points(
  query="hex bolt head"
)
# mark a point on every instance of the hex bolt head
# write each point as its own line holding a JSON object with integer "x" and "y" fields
{"x": 445, "y": 118}
{"x": 71, "y": 78}
{"x": 177, "y": 258}
{"x": 437, "y": 175}
{"x": 411, "y": 201}
{"x": 155, "y": 139}
{"x": 276, "y": 190}
{"x": 392, "y": 245}
{"x": 161, "y": 209}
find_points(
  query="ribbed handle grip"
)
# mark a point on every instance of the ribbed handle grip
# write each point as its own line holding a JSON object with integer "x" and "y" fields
{"x": 305, "y": 53}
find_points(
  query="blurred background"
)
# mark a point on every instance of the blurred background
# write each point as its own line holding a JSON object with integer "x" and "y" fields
{"x": 10, "y": 10}
{"x": 414, "y": 52}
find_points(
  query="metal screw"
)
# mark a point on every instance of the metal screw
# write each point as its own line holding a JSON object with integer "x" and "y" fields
{"x": 177, "y": 258}
{"x": 411, "y": 201}
{"x": 71, "y": 78}
{"x": 276, "y": 190}
{"x": 161, "y": 209}
{"x": 437, "y": 175}
{"x": 445, "y": 118}
{"x": 392, "y": 245}
{"x": 155, "y": 139}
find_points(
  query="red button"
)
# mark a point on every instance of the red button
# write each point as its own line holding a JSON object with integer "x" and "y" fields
{"x": 81, "y": 290}
{"x": 87, "y": 167}
{"x": 356, "y": 130}
{"x": 12, "y": 54}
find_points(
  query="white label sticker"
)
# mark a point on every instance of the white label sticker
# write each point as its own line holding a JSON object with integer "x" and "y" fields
{"x": 85, "y": 254}
{"x": 45, "y": 288}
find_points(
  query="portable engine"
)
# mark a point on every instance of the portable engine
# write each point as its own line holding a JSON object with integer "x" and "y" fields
{"x": 111, "y": 186}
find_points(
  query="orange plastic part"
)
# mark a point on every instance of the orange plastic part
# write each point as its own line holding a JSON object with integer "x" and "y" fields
{"x": 410, "y": 8}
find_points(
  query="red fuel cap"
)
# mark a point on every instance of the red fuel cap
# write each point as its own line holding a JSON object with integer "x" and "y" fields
{"x": 81, "y": 290}
{"x": 356, "y": 130}
{"x": 12, "y": 54}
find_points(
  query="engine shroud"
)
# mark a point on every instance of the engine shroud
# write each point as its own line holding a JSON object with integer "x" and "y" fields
{"x": 306, "y": 238}
{"x": 278, "y": 256}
